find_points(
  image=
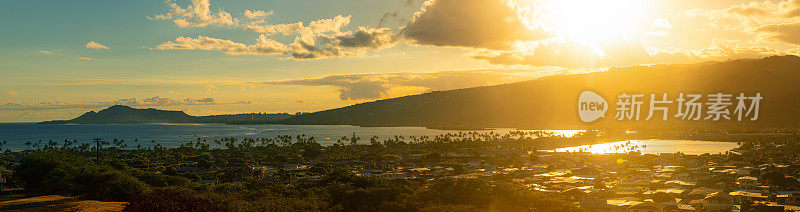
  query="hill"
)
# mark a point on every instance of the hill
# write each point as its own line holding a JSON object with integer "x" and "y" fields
{"x": 119, "y": 114}
{"x": 551, "y": 102}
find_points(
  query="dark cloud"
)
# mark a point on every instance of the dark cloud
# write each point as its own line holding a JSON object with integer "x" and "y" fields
{"x": 390, "y": 17}
{"x": 374, "y": 86}
{"x": 306, "y": 51}
{"x": 489, "y": 24}
{"x": 374, "y": 38}
{"x": 363, "y": 90}
{"x": 322, "y": 38}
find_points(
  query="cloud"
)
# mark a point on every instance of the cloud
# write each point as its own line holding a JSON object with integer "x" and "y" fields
{"x": 211, "y": 89}
{"x": 46, "y": 52}
{"x": 566, "y": 53}
{"x": 85, "y": 58}
{"x": 306, "y": 33}
{"x": 304, "y": 51}
{"x": 163, "y": 101}
{"x": 491, "y": 24}
{"x": 367, "y": 38}
{"x": 747, "y": 17}
{"x": 263, "y": 45}
{"x": 197, "y": 14}
{"x": 96, "y": 45}
{"x": 662, "y": 23}
{"x": 128, "y": 101}
{"x": 752, "y": 9}
{"x": 257, "y": 14}
{"x": 794, "y": 11}
{"x": 322, "y": 38}
{"x": 100, "y": 83}
{"x": 374, "y": 86}
{"x": 390, "y": 16}
{"x": 789, "y": 33}
{"x": 156, "y": 100}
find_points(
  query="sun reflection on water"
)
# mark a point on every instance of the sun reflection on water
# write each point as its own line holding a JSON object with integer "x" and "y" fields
{"x": 653, "y": 146}
{"x": 605, "y": 148}
{"x": 565, "y": 133}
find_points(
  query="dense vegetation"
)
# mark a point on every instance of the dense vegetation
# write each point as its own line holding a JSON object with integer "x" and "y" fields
{"x": 152, "y": 179}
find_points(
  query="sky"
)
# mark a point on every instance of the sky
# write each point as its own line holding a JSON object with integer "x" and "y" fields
{"x": 60, "y": 59}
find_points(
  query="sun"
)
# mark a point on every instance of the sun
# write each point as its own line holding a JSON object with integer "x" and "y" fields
{"x": 595, "y": 22}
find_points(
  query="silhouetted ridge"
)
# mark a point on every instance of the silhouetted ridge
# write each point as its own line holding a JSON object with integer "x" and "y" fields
{"x": 120, "y": 114}
{"x": 550, "y": 102}
{"x": 124, "y": 114}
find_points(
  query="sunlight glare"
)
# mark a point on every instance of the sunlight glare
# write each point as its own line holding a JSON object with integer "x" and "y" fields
{"x": 595, "y": 22}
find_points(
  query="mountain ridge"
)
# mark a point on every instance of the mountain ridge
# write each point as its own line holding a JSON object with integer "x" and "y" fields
{"x": 121, "y": 114}
{"x": 548, "y": 102}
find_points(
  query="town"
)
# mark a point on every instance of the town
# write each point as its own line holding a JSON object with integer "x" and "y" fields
{"x": 444, "y": 172}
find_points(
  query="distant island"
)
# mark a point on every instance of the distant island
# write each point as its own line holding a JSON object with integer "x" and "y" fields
{"x": 544, "y": 103}
{"x": 120, "y": 114}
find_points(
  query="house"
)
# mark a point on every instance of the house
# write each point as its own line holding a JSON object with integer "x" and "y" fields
{"x": 792, "y": 198}
{"x": 188, "y": 169}
{"x": 575, "y": 194}
{"x": 263, "y": 169}
{"x": 719, "y": 201}
{"x": 763, "y": 208}
{"x": 393, "y": 175}
{"x": 700, "y": 193}
{"x": 686, "y": 207}
{"x": 747, "y": 182}
{"x": 680, "y": 184}
{"x": 645, "y": 207}
{"x": 595, "y": 205}
{"x": 740, "y": 196}
{"x": 294, "y": 167}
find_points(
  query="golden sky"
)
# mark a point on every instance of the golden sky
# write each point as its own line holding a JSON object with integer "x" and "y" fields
{"x": 60, "y": 59}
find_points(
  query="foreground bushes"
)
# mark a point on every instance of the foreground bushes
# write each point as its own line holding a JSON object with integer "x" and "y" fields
{"x": 169, "y": 200}
{"x": 55, "y": 172}
{"x": 71, "y": 173}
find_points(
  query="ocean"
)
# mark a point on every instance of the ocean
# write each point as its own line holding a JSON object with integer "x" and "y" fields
{"x": 16, "y": 135}
{"x": 172, "y": 135}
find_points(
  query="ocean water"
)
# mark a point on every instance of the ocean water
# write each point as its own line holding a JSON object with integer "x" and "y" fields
{"x": 655, "y": 146}
{"x": 172, "y": 135}
{"x": 15, "y": 135}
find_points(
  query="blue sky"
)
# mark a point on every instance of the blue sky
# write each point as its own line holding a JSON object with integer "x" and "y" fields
{"x": 340, "y": 54}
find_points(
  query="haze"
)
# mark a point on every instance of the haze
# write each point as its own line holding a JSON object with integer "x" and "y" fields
{"x": 61, "y": 58}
